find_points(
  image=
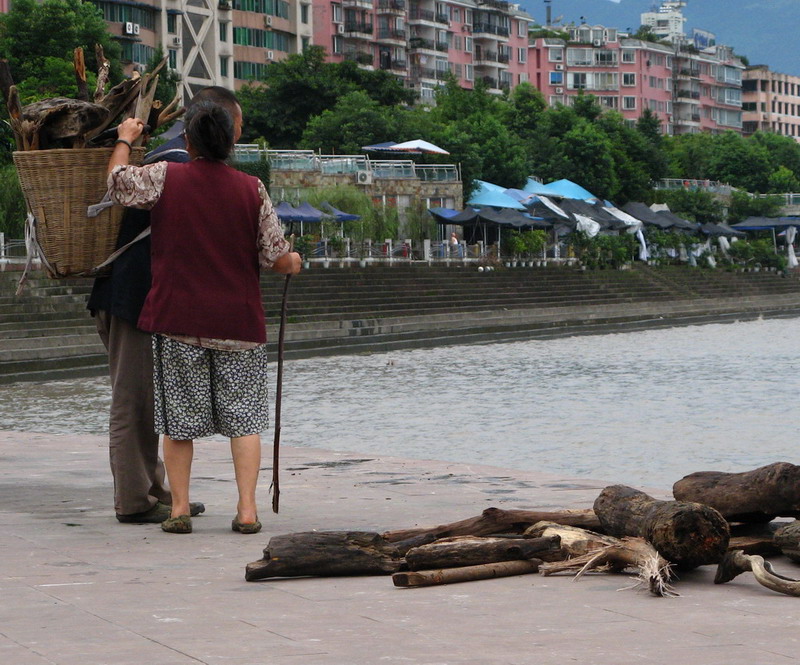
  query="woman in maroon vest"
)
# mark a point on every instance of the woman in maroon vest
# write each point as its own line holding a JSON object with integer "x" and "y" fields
{"x": 213, "y": 228}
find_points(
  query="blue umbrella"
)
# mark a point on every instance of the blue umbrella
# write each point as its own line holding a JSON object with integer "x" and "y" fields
{"x": 569, "y": 190}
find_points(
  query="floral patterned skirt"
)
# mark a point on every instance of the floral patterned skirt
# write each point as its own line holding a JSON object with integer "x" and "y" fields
{"x": 200, "y": 392}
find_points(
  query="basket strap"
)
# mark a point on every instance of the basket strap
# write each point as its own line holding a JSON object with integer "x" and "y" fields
{"x": 115, "y": 255}
{"x": 32, "y": 249}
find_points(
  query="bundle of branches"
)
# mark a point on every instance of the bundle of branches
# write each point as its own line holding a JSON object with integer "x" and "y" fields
{"x": 60, "y": 122}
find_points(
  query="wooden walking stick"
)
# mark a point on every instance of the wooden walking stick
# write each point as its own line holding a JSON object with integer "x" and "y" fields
{"x": 276, "y": 443}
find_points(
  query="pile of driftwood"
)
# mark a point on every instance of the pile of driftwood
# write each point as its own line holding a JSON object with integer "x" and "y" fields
{"x": 82, "y": 122}
{"x": 716, "y": 518}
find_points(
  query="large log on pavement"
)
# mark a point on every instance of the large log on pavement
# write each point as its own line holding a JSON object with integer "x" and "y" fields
{"x": 325, "y": 553}
{"x": 686, "y": 534}
{"x": 495, "y": 520}
{"x": 465, "y": 574}
{"x": 471, "y": 551}
{"x": 759, "y": 495}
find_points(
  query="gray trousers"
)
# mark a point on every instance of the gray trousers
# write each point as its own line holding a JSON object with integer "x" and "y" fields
{"x": 133, "y": 443}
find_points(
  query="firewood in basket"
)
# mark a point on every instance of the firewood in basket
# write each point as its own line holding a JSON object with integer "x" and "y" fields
{"x": 61, "y": 122}
{"x": 103, "y": 69}
{"x": 80, "y": 74}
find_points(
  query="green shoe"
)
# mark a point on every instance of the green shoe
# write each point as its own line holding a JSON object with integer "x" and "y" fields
{"x": 157, "y": 514}
{"x": 180, "y": 524}
{"x": 253, "y": 527}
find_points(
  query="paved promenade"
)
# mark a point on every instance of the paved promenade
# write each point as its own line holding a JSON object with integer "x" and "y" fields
{"x": 78, "y": 588}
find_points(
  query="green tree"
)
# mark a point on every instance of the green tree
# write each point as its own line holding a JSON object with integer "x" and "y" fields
{"x": 696, "y": 205}
{"x": 743, "y": 205}
{"x": 12, "y": 203}
{"x": 783, "y": 180}
{"x": 168, "y": 79}
{"x": 354, "y": 121}
{"x": 38, "y": 40}
{"x": 655, "y": 159}
{"x": 590, "y": 160}
{"x": 740, "y": 162}
{"x": 782, "y": 150}
{"x": 688, "y": 155}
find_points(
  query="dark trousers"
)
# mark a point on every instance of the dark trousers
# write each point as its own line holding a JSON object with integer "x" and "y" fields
{"x": 133, "y": 443}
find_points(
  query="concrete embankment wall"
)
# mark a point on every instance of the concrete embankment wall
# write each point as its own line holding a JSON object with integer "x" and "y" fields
{"x": 47, "y": 333}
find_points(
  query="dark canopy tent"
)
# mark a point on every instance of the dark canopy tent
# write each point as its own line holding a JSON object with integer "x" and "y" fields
{"x": 678, "y": 223}
{"x": 644, "y": 214}
{"x": 721, "y": 230}
{"x": 766, "y": 223}
{"x": 338, "y": 215}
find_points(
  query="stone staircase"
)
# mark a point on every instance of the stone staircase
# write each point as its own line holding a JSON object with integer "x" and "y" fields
{"x": 47, "y": 332}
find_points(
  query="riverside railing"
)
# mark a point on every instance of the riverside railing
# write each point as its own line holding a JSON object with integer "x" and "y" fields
{"x": 308, "y": 160}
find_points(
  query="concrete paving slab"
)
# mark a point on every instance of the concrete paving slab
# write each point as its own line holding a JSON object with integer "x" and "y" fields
{"x": 79, "y": 588}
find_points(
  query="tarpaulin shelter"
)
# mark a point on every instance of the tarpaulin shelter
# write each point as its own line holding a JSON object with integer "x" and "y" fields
{"x": 495, "y": 199}
{"x": 418, "y": 146}
{"x": 569, "y": 190}
{"x": 643, "y": 213}
{"x": 678, "y": 222}
{"x": 711, "y": 229}
{"x": 337, "y": 214}
{"x": 766, "y": 223}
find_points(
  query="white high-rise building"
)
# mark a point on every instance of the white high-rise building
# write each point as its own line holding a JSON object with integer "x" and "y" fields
{"x": 668, "y": 21}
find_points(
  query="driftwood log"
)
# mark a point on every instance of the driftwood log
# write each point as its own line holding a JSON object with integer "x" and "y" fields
{"x": 759, "y": 495}
{"x": 686, "y": 534}
{"x": 494, "y": 520}
{"x": 737, "y": 562}
{"x": 466, "y": 574}
{"x": 584, "y": 550}
{"x": 787, "y": 540}
{"x": 471, "y": 551}
{"x": 325, "y": 553}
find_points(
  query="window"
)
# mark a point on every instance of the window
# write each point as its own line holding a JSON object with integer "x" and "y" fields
{"x": 556, "y": 78}
{"x": 337, "y": 44}
{"x": 305, "y": 42}
{"x": 628, "y": 55}
{"x": 172, "y": 56}
{"x": 522, "y": 29}
{"x": 468, "y": 44}
{"x": 223, "y": 31}
{"x": 223, "y": 65}
{"x": 523, "y": 77}
{"x": 629, "y": 103}
{"x": 337, "y": 12}
{"x": 522, "y": 54}
{"x": 304, "y": 13}
{"x": 576, "y": 80}
{"x": 456, "y": 14}
{"x": 468, "y": 73}
{"x": 609, "y": 102}
{"x": 555, "y": 55}
{"x": 628, "y": 79}
{"x": 581, "y": 57}
{"x": 172, "y": 23}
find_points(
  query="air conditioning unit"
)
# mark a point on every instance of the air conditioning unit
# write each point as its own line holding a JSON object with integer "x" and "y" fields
{"x": 597, "y": 42}
{"x": 364, "y": 178}
{"x": 340, "y": 28}
{"x": 559, "y": 68}
{"x": 466, "y": 28}
{"x": 267, "y": 20}
{"x": 270, "y": 55}
{"x": 127, "y": 28}
{"x": 135, "y": 28}
{"x": 177, "y": 41}
{"x": 559, "y": 91}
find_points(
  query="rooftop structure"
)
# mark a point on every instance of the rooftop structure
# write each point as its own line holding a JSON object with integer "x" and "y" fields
{"x": 667, "y": 21}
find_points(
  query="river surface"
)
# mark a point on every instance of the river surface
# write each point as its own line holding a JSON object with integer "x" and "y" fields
{"x": 639, "y": 408}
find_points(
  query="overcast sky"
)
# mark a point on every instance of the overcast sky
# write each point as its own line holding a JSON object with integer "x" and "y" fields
{"x": 766, "y": 31}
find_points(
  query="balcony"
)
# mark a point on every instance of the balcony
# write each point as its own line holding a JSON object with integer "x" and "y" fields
{"x": 689, "y": 72}
{"x": 491, "y": 82}
{"x": 397, "y": 37}
{"x": 687, "y": 94}
{"x": 423, "y": 73}
{"x": 397, "y": 7}
{"x": 482, "y": 57}
{"x": 360, "y": 4}
{"x": 442, "y": 46}
{"x": 417, "y": 15}
{"x": 358, "y": 29}
{"x": 421, "y": 44}
{"x": 360, "y": 57}
{"x": 495, "y": 31}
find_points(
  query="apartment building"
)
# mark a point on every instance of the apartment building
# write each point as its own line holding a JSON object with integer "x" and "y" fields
{"x": 420, "y": 41}
{"x": 771, "y": 102}
{"x": 209, "y": 42}
{"x": 627, "y": 75}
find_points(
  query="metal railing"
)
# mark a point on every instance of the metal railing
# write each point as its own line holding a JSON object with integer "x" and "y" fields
{"x": 308, "y": 160}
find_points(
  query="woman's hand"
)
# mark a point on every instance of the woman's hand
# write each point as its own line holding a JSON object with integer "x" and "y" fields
{"x": 288, "y": 264}
{"x": 130, "y": 129}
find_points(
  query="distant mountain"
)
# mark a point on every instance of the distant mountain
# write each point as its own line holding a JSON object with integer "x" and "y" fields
{"x": 766, "y": 31}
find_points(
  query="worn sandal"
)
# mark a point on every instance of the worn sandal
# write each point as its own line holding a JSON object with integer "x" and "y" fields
{"x": 180, "y": 524}
{"x": 252, "y": 527}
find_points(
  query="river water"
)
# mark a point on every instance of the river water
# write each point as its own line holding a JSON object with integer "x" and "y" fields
{"x": 639, "y": 408}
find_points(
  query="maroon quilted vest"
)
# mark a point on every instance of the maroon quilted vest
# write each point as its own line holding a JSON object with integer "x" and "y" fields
{"x": 205, "y": 255}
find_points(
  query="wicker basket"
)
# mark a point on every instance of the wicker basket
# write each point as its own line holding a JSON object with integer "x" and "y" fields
{"x": 58, "y": 186}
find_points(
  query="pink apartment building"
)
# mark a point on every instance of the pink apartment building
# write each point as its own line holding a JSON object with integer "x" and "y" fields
{"x": 420, "y": 41}
{"x": 689, "y": 90}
